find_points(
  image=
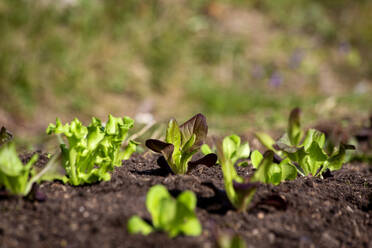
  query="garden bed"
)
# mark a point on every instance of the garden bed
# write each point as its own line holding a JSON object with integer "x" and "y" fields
{"x": 306, "y": 212}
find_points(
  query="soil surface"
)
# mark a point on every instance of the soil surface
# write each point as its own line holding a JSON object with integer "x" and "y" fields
{"x": 307, "y": 212}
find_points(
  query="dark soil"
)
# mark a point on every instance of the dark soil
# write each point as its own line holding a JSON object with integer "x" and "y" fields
{"x": 307, "y": 212}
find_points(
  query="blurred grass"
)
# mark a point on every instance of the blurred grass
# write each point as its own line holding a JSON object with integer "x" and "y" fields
{"x": 243, "y": 63}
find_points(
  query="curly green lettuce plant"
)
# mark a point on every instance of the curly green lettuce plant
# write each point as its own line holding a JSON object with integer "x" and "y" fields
{"x": 239, "y": 190}
{"x": 182, "y": 142}
{"x": 305, "y": 151}
{"x": 174, "y": 216}
{"x": 92, "y": 152}
{"x": 235, "y": 149}
{"x": 18, "y": 178}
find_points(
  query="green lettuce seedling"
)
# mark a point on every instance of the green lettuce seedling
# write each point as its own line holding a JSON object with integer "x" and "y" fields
{"x": 182, "y": 142}
{"x": 174, "y": 216}
{"x": 18, "y": 178}
{"x": 269, "y": 171}
{"x": 239, "y": 190}
{"x": 305, "y": 151}
{"x": 235, "y": 150}
{"x": 228, "y": 241}
{"x": 92, "y": 152}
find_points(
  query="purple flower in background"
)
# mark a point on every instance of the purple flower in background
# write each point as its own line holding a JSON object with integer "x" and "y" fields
{"x": 276, "y": 79}
{"x": 296, "y": 58}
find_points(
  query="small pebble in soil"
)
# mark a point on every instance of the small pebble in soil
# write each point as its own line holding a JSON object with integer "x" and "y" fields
{"x": 348, "y": 208}
{"x": 260, "y": 215}
{"x": 74, "y": 226}
{"x": 271, "y": 237}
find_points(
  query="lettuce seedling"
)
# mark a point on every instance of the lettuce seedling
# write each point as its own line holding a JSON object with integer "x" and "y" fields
{"x": 93, "y": 151}
{"x": 18, "y": 178}
{"x": 174, "y": 216}
{"x": 228, "y": 241}
{"x": 239, "y": 190}
{"x": 5, "y": 136}
{"x": 235, "y": 150}
{"x": 269, "y": 171}
{"x": 182, "y": 142}
{"x": 305, "y": 151}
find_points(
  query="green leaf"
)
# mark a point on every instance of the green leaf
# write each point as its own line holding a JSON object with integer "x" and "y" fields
{"x": 188, "y": 199}
{"x": 186, "y": 219}
{"x": 191, "y": 227}
{"x": 336, "y": 161}
{"x": 230, "y": 145}
{"x": 316, "y": 153}
{"x": 187, "y": 148}
{"x": 112, "y": 124}
{"x": 167, "y": 212}
{"x": 137, "y": 225}
{"x": 205, "y": 149}
{"x": 274, "y": 174}
{"x": 10, "y": 164}
{"x": 95, "y": 136}
{"x": 313, "y": 135}
{"x": 265, "y": 140}
{"x": 77, "y": 130}
{"x": 256, "y": 158}
{"x": 289, "y": 172}
{"x": 264, "y": 172}
{"x": 233, "y": 150}
{"x": 173, "y": 134}
{"x": 13, "y": 175}
{"x": 243, "y": 151}
{"x": 294, "y": 127}
{"x": 153, "y": 202}
{"x": 129, "y": 150}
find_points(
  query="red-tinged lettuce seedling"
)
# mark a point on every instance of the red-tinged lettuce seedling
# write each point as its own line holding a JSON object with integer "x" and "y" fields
{"x": 5, "y": 136}
{"x": 305, "y": 151}
{"x": 239, "y": 190}
{"x": 182, "y": 142}
{"x": 92, "y": 152}
{"x": 234, "y": 149}
{"x": 18, "y": 178}
{"x": 173, "y": 216}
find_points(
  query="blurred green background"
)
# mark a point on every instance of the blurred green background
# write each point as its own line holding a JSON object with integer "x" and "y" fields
{"x": 243, "y": 63}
